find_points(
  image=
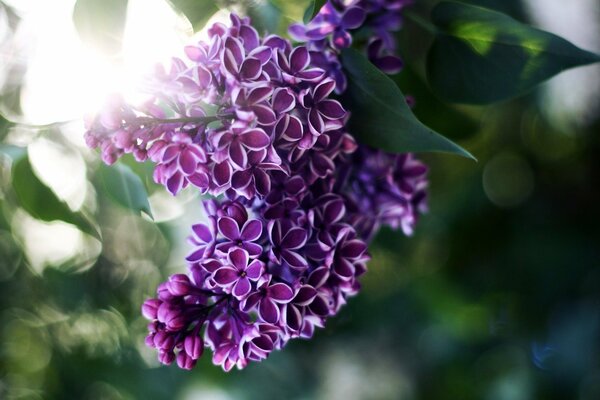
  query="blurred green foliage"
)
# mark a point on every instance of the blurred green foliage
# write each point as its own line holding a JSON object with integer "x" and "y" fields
{"x": 497, "y": 296}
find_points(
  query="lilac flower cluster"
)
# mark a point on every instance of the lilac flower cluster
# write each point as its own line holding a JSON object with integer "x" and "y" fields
{"x": 257, "y": 279}
{"x": 251, "y": 121}
{"x": 330, "y": 31}
{"x": 269, "y": 109}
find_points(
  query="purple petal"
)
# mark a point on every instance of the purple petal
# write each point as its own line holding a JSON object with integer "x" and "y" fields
{"x": 250, "y": 302}
{"x": 318, "y": 277}
{"x": 262, "y": 53}
{"x": 170, "y": 153}
{"x": 187, "y": 162}
{"x": 238, "y": 155}
{"x": 294, "y": 259}
{"x": 241, "y": 179}
{"x": 299, "y": 59}
{"x": 268, "y": 311}
{"x": 251, "y": 230}
{"x": 323, "y": 90}
{"x": 315, "y": 122}
{"x": 319, "y": 306}
{"x": 254, "y": 270}
{"x": 229, "y": 228}
{"x": 259, "y": 94}
{"x": 250, "y": 68}
{"x": 353, "y": 18}
{"x": 294, "y": 238}
{"x": 343, "y": 268}
{"x": 331, "y": 109}
{"x": 175, "y": 183}
{"x": 275, "y": 232}
{"x": 225, "y": 276}
{"x": 294, "y": 130}
{"x": 293, "y": 317}
{"x": 235, "y": 48}
{"x": 341, "y": 39}
{"x": 222, "y": 173}
{"x": 389, "y": 64}
{"x": 305, "y": 295}
{"x": 203, "y": 232}
{"x": 230, "y": 63}
{"x": 280, "y": 292}
{"x": 255, "y": 139}
{"x": 253, "y": 249}
{"x": 249, "y": 36}
{"x": 238, "y": 258}
{"x": 241, "y": 288}
{"x": 264, "y": 114}
{"x": 333, "y": 212}
{"x": 283, "y": 100}
{"x": 262, "y": 182}
{"x": 353, "y": 249}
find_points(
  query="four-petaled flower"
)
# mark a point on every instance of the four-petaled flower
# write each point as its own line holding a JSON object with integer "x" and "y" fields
{"x": 238, "y": 273}
{"x": 267, "y": 298}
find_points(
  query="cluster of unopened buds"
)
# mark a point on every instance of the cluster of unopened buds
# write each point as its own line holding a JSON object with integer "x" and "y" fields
{"x": 253, "y": 123}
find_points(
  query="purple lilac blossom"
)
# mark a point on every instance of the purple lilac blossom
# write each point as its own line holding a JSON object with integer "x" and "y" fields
{"x": 284, "y": 245}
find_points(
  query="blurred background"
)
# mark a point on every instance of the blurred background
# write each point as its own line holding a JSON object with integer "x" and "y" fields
{"x": 496, "y": 296}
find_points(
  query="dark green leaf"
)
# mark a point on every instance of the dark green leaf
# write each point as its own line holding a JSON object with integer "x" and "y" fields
{"x": 101, "y": 23}
{"x": 124, "y": 187}
{"x": 198, "y": 12}
{"x": 265, "y": 16}
{"x": 380, "y": 116}
{"x": 40, "y": 201}
{"x": 313, "y": 9}
{"x": 480, "y": 56}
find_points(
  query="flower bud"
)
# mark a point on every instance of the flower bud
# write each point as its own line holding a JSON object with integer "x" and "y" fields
{"x": 184, "y": 361}
{"x": 179, "y": 285}
{"x": 166, "y": 357}
{"x": 164, "y": 341}
{"x": 150, "y": 307}
{"x": 194, "y": 346}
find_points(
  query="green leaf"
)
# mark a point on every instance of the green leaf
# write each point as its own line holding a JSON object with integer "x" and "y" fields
{"x": 313, "y": 9}
{"x": 124, "y": 187}
{"x": 380, "y": 116}
{"x": 40, "y": 201}
{"x": 101, "y": 23}
{"x": 480, "y": 56}
{"x": 265, "y": 16}
{"x": 198, "y": 12}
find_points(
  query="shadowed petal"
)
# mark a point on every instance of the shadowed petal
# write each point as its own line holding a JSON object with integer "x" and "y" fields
{"x": 225, "y": 276}
{"x": 229, "y": 228}
{"x": 255, "y": 139}
{"x": 241, "y": 288}
{"x": 280, "y": 292}
{"x": 299, "y": 59}
{"x": 238, "y": 258}
{"x": 294, "y": 239}
{"x": 331, "y": 109}
{"x": 254, "y": 270}
{"x": 268, "y": 311}
{"x": 251, "y": 230}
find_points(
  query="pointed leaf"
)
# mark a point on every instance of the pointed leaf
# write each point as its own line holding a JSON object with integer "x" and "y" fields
{"x": 40, "y": 201}
{"x": 380, "y": 116}
{"x": 198, "y": 12}
{"x": 313, "y": 9}
{"x": 480, "y": 56}
{"x": 124, "y": 187}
